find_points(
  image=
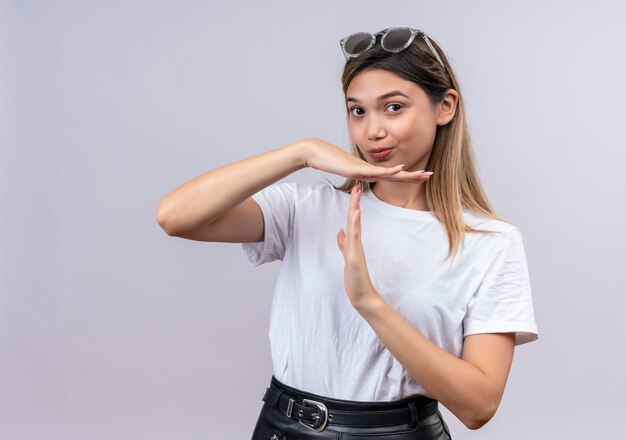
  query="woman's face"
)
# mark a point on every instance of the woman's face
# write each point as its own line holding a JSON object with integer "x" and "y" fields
{"x": 407, "y": 124}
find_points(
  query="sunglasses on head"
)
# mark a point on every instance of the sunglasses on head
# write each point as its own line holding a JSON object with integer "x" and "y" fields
{"x": 394, "y": 39}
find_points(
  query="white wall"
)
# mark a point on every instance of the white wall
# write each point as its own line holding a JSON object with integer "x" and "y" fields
{"x": 110, "y": 329}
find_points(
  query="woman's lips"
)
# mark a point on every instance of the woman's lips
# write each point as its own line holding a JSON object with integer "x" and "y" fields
{"x": 380, "y": 155}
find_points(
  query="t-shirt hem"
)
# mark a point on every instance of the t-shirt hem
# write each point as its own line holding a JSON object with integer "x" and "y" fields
{"x": 258, "y": 251}
{"x": 525, "y": 331}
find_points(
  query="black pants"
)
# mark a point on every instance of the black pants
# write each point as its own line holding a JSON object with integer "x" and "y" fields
{"x": 286, "y": 416}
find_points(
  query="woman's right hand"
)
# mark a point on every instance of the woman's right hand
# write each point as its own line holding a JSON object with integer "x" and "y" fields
{"x": 325, "y": 156}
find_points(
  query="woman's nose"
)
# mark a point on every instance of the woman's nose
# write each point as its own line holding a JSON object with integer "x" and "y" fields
{"x": 375, "y": 129}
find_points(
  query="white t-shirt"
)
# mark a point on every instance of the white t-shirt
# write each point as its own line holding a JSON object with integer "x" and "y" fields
{"x": 321, "y": 344}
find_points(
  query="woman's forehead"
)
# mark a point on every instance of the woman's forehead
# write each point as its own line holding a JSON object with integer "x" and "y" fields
{"x": 373, "y": 85}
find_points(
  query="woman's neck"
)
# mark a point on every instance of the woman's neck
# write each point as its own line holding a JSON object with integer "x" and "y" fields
{"x": 409, "y": 195}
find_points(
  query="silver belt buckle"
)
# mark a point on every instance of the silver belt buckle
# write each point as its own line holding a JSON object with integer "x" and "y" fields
{"x": 321, "y": 417}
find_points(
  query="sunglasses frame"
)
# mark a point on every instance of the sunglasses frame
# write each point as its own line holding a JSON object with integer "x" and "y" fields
{"x": 384, "y": 33}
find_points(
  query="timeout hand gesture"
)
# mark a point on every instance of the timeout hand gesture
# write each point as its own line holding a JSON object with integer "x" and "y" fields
{"x": 356, "y": 275}
{"x": 324, "y": 156}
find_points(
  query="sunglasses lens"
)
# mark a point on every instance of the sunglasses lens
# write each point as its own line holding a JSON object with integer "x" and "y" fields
{"x": 357, "y": 43}
{"x": 396, "y": 39}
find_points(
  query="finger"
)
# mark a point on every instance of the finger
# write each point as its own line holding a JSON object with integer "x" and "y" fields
{"x": 356, "y": 223}
{"x": 355, "y": 226}
{"x": 354, "y": 240}
{"x": 385, "y": 171}
{"x": 357, "y": 205}
{"x": 340, "y": 239}
{"x": 394, "y": 172}
{"x": 350, "y": 209}
{"x": 372, "y": 170}
{"x": 354, "y": 195}
{"x": 403, "y": 176}
{"x": 357, "y": 198}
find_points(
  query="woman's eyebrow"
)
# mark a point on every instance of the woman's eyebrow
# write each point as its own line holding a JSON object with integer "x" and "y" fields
{"x": 381, "y": 97}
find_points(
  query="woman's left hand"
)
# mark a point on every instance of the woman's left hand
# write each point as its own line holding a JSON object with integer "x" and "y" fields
{"x": 357, "y": 281}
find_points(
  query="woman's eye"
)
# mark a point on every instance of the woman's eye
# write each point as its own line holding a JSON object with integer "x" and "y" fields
{"x": 352, "y": 110}
{"x": 390, "y": 105}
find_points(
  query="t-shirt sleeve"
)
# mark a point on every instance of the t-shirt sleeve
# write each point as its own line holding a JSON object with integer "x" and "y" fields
{"x": 503, "y": 301}
{"x": 277, "y": 203}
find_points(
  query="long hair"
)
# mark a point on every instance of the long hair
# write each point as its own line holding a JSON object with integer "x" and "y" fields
{"x": 455, "y": 185}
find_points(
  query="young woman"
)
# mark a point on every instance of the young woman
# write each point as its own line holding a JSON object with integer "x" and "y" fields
{"x": 399, "y": 289}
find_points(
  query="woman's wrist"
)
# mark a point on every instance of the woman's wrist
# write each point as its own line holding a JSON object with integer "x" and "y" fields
{"x": 303, "y": 149}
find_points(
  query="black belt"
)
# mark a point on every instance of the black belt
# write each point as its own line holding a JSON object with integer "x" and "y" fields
{"x": 316, "y": 415}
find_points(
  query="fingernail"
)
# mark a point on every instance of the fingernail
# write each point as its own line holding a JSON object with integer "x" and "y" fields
{"x": 428, "y": 173}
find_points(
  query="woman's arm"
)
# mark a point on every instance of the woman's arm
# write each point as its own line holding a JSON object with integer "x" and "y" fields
{"x": 192, "y": 210}
{"x": 471, "y": 387}
{"x": 207, "y": 197}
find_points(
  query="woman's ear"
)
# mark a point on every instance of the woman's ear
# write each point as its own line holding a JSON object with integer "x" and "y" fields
{"x": 447, "y": 107}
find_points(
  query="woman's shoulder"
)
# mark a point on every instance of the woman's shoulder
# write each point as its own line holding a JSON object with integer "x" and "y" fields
{"x": 303, "y": 191}
{"x": 484, "y": 222}
{"x": 321, "y": 189}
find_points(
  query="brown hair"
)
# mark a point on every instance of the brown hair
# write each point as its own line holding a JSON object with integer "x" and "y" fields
{"x": 455, "y": 185}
